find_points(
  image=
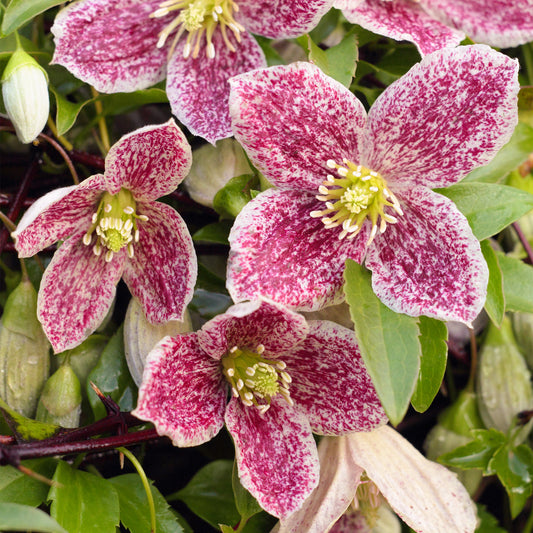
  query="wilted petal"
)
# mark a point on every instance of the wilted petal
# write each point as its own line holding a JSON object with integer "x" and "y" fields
{"x": 276, "y": 455}
{"x": 429, "y": 263}
{"x": 183, "y": 392}
{"x": 150, "y": 162}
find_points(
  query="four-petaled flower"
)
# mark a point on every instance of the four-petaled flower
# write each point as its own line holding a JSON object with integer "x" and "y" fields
{"x": 352, "y": 185}
{"x": 112, "y": 227}
{"x": 287, "y": 378}
{"x": 127, "y": 45}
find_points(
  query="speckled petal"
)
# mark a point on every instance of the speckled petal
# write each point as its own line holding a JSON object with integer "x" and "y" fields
{"x": 330, "y": 383}
{"x": 76, "y": 292}
{"x": 426, "y": 495}
{"x": 501, "y": 23}
{"x": 276, "y": 455}
{"x": 57, "y": 215}
{"x": 281, "y": 18}
{"x": 198, "y": 88}
{"x": 291, "y": 119}
{"x": 150, "y": 161}
{"x": 448, "y": 115}
{"x": 163, "y": 269}
{"x": 111, "y": 44}
{"x": 429, "y": 263}
{"x": 250, "y": 324}
{"x": 402, "y": 20}
{"x": 183, "y": 392}
{"x": 279, "y": 251}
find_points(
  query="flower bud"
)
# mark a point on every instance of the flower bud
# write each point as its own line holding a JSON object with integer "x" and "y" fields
{"x": 25, "y": 93}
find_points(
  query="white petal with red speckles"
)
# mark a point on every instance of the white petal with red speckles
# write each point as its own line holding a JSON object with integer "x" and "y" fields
{"x": 429, "y": 263}
{"x": 426, "y": 495}
{"x": 276, "y": 454}
{"x": 330, "y": 383}
{"x": 291, "y": 119}
{"x": 57, "y": 215}
{"x": 449, "y": 114}
{"x": 150, "y": 162}
{"x": 198, "y": 88}
{"x": 279, "y": 251}
{"x": 111, "y": 44}
{"x": 76, "y": 292}
{"x": 249, "y": 324}
{"x": 183, "y": 392}
{"x": 163, "y": 269}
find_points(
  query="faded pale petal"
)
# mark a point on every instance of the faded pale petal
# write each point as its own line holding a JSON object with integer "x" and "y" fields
{"x": 330, "y": 383}
{"x": 429, "y": 263}
{"x": 183, "y": 392}
{"x": 76, "y": 292}
{"x": 150, "y": 162}
{"x": 276, "y": 454}
{"x": 426, "y": 495}
{"x": 163, "y": 269}
{"x": 291, "y": 119}
{"x": 448, "y": 115}
{"x": 198, "y": 88}
{"x": 280, "y": 252}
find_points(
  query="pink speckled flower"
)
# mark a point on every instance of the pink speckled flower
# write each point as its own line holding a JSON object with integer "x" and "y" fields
{"x": 449, "y": 114}
{"x": 286, "y": 377}
{"x": 434, "y": 24}
{"x": 113, "y": 228}
{"x": 127, "y": 45}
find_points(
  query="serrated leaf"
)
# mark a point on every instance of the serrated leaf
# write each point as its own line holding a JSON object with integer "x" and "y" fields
{"x": 216, "y": 232}
{"x": 26, "y": 428}
{"x": 517, "y": 283}
{"x": 488, "y": 207}
{"x": 83, "y": 502}
{"x": 433, "y": 336}
{"x": 66, "y": 112}
{"x": 495, "y": 303}
{"x": 246, "y": 504}
{"x": 17, "y": 517}
{"x": 18, "y": 12}
{"x": 388, "y": 342}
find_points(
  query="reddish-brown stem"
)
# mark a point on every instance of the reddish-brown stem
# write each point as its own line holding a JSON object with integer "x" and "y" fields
{"x": 524, "y": 242}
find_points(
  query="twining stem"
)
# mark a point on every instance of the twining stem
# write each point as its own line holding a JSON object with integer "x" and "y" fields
{"x": 473, "y": 361}
{"x": 524, "y": 241}
{"x": 64, "y": 155}
{"x": 60, "y": 138}
{"x": 102, "y": 126}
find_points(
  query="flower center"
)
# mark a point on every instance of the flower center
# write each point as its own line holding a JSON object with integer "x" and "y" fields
{"x": 114, "y": 224}
{"x": 367, "y": 499}
{"x": 254, "y": 379}
{"x": 358, "y": 194}
{"x": 199, "y": 18}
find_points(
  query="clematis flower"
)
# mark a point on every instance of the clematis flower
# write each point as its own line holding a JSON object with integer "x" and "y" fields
{"x": 352, "y": 185}
{"x": 127, "y": 45}
{"x": 286, "y": 378}
{"x": 358, "y": 470}
{"x": 113, "y": 228}
{"x": 435, "y": 24}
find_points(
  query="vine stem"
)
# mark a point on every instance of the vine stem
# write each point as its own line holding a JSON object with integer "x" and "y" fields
{"x": 64, "y": 155}
{"x": 102, "y": 126}
{"x": 524, "y": 241}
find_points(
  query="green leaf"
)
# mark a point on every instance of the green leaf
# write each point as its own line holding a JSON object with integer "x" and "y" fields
{"x": 209, "y": 304}
{"x": 246, "y": 504}
{"x": 134, "y": 509}
{"x": 326, "y": 26}
{"x": 517, "y": 283}
{"x": 488, "y": 207}
{"x": 433, "y": 336}
{"x": 230, "y": 199}
{"x": 119, "y": 103}
{"x": 513, "y": 154}
{"x": 495, "y": 304}
{"x": 83, "y": 502}
{"x": 216, "y": 232}
{"x": 66, "y": 112}
{"x": 17, "y": 517}
{"x": 19, "y": 12}
{"x": 388, "y": 342}
{"x": 209, "y": 281}
{"x": 25, "y": 428}
{"x": 488, "y": 523}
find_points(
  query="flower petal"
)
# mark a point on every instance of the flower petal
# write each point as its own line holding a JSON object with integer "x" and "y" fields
{"x": 291, "y": 119}
{"x": 163, "y": 269}
{"x": 330, "y": 383}
{"x": 150, "y": 161}
{"x": 76, "y": 292}
{"x": 183, "y": 392}
{"x": 198, "y": 88}
{"x": 429, "y": 262}
{"x": 448, "y": 115}
{"x": 426, "y": 495}
{"x": 111, "y": 44}
{"x": 279, "y": 251}
{"x": 250, "y": 324}
{"x": 276, "y": 455}
{"x": 57, "y": 215}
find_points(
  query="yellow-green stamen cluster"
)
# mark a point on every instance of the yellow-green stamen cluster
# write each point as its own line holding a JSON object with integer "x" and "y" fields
{"x": 254, "y": 379}
{"x": 367, "y": 500}
{"x": 199, "y": 18}
{"x": 114, "y": 224}
{"x": 358, "y": 194}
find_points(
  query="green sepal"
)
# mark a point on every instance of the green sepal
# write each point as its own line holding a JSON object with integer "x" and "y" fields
{"x": 19, "y": 59}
